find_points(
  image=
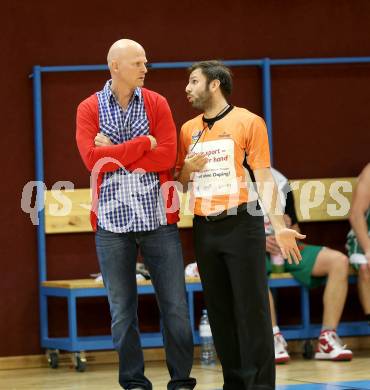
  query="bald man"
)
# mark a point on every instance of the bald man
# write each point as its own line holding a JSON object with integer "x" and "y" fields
{"x": 127, "y": 140}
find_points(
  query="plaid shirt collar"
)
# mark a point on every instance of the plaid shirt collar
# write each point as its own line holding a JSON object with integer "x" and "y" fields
{"x": 107, "y": 91}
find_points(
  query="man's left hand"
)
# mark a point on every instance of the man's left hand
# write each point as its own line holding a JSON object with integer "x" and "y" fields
{"x": 102, "y": 140}
{"x": 286, "y": 239}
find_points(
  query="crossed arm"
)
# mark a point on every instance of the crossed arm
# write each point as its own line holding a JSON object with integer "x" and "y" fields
{"x": 151, "y": 153}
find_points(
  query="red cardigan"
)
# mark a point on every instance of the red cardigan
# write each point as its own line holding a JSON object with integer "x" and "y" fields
{"x": 133, "y": 154}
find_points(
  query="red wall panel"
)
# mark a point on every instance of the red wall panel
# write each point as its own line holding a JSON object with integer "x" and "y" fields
{"x": 320, "y": 114}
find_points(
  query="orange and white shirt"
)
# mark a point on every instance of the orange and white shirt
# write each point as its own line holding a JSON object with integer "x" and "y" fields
{"x": 221, "y": 184}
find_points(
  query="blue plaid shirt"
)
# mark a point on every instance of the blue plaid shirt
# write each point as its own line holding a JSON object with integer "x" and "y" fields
{"x": 128, "y": 202}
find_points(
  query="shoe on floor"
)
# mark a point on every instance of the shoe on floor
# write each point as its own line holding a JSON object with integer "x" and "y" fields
{"x": 281, "y": 351}
{"x": 330, "y": 347}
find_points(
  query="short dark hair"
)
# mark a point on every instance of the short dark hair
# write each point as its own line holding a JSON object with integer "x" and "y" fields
{"x": 216, "y": 70}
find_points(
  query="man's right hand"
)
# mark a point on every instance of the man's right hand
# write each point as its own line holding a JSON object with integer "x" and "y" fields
{"x": 153, "y": 142}
{"x": 192, "y": 163}
{"x": 195, "y": 163}
{"x": 271, "y": 245}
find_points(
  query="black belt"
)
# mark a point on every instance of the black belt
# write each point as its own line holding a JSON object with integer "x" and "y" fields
{"x": 225, "y": 214}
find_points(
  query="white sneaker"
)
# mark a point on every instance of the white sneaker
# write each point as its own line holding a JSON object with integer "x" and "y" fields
{"x": 330, "y": 347}
{"x": 281, "y": 351}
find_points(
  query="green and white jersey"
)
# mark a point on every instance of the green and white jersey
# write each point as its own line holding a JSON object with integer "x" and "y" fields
{"x": 352, "y": 244}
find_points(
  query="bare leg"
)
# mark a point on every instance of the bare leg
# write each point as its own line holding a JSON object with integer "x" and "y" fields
{"x": 272, "y": 309}
{"x": 334, "y": 265}
{"x": 363, "y": 284}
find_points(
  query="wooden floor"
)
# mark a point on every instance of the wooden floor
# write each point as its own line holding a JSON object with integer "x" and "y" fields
{"x": 104, "y": 376}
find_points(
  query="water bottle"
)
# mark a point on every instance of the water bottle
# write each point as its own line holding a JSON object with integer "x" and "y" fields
{"x": 207, "y": 348}
{"x": 277, "y": 263}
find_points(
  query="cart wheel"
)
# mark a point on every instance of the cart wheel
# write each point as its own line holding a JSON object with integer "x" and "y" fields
{"x": 53, "y": 358}
{"x": 308, "y": 349}
{"x": 79, "y": 361}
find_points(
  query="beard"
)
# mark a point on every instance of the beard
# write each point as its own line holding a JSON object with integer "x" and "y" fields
{"x": 203, "y": 101}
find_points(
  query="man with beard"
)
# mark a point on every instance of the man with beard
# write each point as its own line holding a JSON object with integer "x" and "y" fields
{"x": 229, "y": 233}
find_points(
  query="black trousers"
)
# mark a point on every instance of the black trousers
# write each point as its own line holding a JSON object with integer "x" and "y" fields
{"x": 231, "y": 261}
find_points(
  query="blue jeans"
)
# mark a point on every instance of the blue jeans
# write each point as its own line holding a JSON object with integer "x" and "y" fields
{"x": 161, "y": 249}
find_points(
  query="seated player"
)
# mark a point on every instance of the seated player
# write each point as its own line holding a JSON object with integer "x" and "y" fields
{"x": 319, "y": 266}
{"x": 358, "y": 240}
